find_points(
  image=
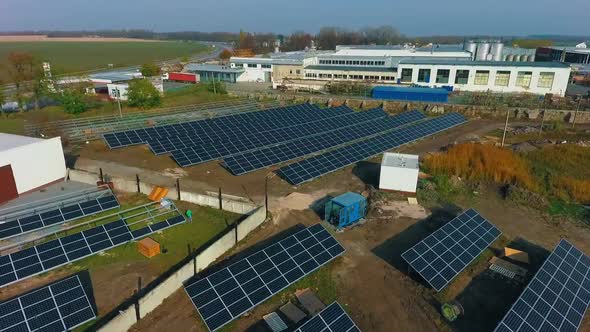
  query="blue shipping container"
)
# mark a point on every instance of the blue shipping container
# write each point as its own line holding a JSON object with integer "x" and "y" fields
{"x": 436, "y": 95}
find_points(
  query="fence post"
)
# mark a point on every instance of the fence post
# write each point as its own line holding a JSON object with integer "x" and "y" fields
{"x": 178, "y": 188}
{"x": 137, "y": 181}
{"x": 100, "y": 174}
{"x": 137, "y": 297}
{"x": 266, "y": 195}
{"x": 220, "y": 200}
{"x": 236, "y": 232}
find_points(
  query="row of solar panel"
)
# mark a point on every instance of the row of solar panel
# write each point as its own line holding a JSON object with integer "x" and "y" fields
{"x": 260, "y": 158}
{"x": 196, "y": 154}
{"x": 332, "y": 318}
{"x": 49, "y": 255}
{"x": 313, "y": 167}
{"x": 57, "y": 216}
{"x": 232, "y": 140}
{"x": 557, "y": 297}
{"x": 441, "y": 256}
{"x": 210, "y": 128}
{"x": 228, "y": 293}
{"x": 60, "y": 306}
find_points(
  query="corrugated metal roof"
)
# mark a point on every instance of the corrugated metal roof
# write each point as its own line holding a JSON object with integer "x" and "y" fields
{"x": 194, "y": 67}
{"x": 351, "y": 68}
{"x": 271, "y": 61}
{"x": 483, "y": 63}
{"x": 348, "y": 199}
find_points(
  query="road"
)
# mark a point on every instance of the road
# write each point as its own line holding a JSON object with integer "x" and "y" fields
{"x": 8, "y": 89}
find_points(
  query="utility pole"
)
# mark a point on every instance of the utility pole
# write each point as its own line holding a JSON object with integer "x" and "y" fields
{"x": 577, "y": 110}
{"x": 119, "y": 102}
{"x": 505, "y": 127}
{"x": 542, "y": 122}
{"x": 214, "y": 87}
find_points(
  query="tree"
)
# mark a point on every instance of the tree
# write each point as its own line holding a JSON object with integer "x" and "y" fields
{"x": 2, "y": 99}
{"x": 216, "y": 87}
{"x": 225, "y": 55}
{"x": 142, "y": 93}
{"x": 298, "y": 41}
{"x": 21, "y": 71}
{"x": 150, "y": 69}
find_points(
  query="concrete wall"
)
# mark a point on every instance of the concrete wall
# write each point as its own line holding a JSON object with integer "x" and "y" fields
{"x": 238, "y": 205}
{"x": 36, "y": 164}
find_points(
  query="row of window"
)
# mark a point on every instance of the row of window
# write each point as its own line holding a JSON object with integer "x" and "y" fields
{"x": 251, "y": 65}
{"x": 351, "y": 77}
{"x": 482, "y": 77}
{"x": 352, "y": 62}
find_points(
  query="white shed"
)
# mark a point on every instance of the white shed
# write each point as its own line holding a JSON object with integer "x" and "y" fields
{"x": 399, "y": 172}
{"x": 28, "y": 163}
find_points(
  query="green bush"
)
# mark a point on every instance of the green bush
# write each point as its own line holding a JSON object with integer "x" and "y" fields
{"x": 216, "y": 87}
{"x": 142, "y": 93}
{"x": 73, "y": 101}
{"x": 150, "y": 69}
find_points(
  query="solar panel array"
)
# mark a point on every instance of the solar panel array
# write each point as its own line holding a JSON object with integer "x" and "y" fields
{"x": 313, "y": 167}
{"x": 252, "y": 132}
{"x": 57, "y": 216}
{"x": 557, "y": 297}
{"x": 256, "y": 159}
{"x": 441, "y": 256}
{"x": 332, "y": 318}
{"x": 49, "y": 255}
{"x": 237, "y": 122}
{"x": 61, "y": 306}
{"x": 199, "y": 153}
{"x": 232, "y": 291}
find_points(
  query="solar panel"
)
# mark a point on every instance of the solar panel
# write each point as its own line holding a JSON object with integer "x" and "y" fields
{"x": 557, "y": 297}
{"x": 242, "y": 122}
{"x": 235, "y": 138}
{"x": 57, "y": 216}
{"x": 332, "y": 319}
{"x": 60, "y": 306}
{"x": 257, "y": 159}
{"x": 313, "y": 167}
{"x": 232, "y": 291}
{"x": 52, "y": 254}
{"x": 441, "y": 256}
{"x": 201, "y": 153}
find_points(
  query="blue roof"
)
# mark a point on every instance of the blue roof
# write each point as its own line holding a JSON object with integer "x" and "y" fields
{"x": 411, "y": 89}
{"x": 348, "y": 199}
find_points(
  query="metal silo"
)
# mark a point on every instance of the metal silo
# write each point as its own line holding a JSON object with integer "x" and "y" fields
{"x": 524, "y": 58}
{"x": 517, "y": 58}
{"x": 510, "y": 57}
{"x": 482, "y": 51}
{"x": 532, "y": 57}
{"x": 497, "y": 49}
{"x": 471, "y": 47}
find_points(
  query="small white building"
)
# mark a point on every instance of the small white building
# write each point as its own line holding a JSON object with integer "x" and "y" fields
{"x": 494, "y": 76}
{"x": 120, "y": 90}
{"x": 260, "y": 69}
{"x": 28, "y": 163}
{"x": 399, "y": 172}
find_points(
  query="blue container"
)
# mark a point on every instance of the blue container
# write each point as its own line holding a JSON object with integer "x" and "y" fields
{"x": 435, "y": 95}
{"x": 345, "y": 209}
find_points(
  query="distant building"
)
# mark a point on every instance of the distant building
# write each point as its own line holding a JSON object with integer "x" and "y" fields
{"x": 119, "y": 91}
{"x": 218, "y": 73}
{"x": 260, "y": 69}
{"x": 572, "y": 55}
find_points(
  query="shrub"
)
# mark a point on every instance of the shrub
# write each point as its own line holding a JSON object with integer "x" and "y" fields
{"x": 73, "y": 101}
{"x": 150, "y": 69}
{"x": 216, "y": 87}
{"x": 568, "y": 188}
{"x": 142, "y": 93}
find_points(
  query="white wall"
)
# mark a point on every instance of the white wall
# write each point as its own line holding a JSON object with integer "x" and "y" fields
{"x": 560, "y": 80}
{"x": 35, "y": 165}
{"x": 398, "y": 179}
{"x": 257, "y": 74}
{"x": 122, "y": 91}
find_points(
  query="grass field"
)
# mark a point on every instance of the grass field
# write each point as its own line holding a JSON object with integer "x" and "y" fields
{"x": 69, "y": 57}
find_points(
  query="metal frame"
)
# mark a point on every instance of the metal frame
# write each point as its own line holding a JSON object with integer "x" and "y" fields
{"x": 335, "y": 303}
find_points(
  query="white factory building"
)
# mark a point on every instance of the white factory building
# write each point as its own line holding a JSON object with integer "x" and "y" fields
{"x": 260, "y": 69}
{"x": 495, "y": 76}
{"x": 28, "y": 163}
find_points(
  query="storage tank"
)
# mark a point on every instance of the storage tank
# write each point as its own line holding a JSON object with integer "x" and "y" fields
{"x": 532, "y": 57}
{"x": 471, "y": 47}
{"x": 497, "y": 49}
{"x": 516, "y": 58}
{"x": 482, "y": 51}
{"x": 510, "y": 57}
{"x": 524, "y": 58}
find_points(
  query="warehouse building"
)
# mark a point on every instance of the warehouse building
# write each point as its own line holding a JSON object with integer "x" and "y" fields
{"x": 263, "y": 69}
{"x": 573, "y": 55}
{"x": 28, "y": 163}
{"x": 495, "y": 76}
{"x": 218, "y": 73}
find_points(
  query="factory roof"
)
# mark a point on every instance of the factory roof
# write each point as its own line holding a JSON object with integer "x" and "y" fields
{"x": 400, "y": 160}
{"x": 351, "y": 68}
{"x": 272, "y": 61}
{"x": 482, "y": 63}
{"x": 579, "y": 50}
{"x": 403, "y": 53}
{"x": 115, "y": 76}
{"x": 195, "y": 67}
{"x": 9, "y": 141}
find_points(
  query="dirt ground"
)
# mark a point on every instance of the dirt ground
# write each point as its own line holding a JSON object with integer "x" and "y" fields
{"x": 45, "y": 38}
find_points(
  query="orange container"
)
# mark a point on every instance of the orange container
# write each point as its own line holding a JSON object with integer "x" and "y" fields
{"x": 148, "y": 247}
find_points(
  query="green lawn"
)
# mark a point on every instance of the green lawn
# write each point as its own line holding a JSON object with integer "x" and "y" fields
{"x": 69, "y": 57}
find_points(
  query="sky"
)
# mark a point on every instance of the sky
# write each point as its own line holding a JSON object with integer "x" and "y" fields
{"x": 411, "y": 17}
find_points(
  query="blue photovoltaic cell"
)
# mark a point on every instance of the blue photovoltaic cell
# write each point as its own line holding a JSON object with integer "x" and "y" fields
{"x": 211, "y": 128}
{"x": 557, "y": 297}
{"x": 199, "y": 152}
{"x": 332, "y": 318}
{"x": 267, "y": 156}
{"x": 442, "y": 255}
{"x": 230, "y": 292}
{"x": 49, "y": 255}
{"x": 313, "y": 167}
{"x": 60, "y": 306}
{"x": 58, "y": 216}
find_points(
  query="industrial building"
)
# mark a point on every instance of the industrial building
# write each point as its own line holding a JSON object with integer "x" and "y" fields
{"x": 495, "y": 76}
{"x": 262, "y": 69}
{"x": 574, "y": 55}
{"x": 218, "y": 73}
{"x": 28, "y": 163}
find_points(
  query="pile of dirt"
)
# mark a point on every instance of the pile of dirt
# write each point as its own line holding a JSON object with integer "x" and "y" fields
{"x": 401, "y": 209}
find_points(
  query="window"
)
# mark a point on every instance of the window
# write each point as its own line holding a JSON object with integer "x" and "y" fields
{"x": 481, "y": 77}
{"x": 442, "y": 76}
{"x": 298, "y": 71}
{"x": 523, "y": 79}
{"x": 502, "y": 78}
{"x": 546, "y": 80}
{"x": 239, "y": 65}
{"x": 462, "y": 76}
{"x": 407, "y": 75}
{"x": 265, "y": 66}
{"x": 252, "y": 65}
{"x": 424, "y": 75}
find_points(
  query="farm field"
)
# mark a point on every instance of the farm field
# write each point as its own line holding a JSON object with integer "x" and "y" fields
{"x": 71, "y": 56}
